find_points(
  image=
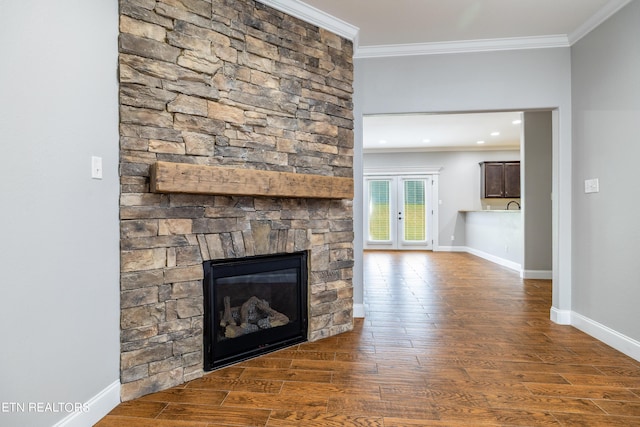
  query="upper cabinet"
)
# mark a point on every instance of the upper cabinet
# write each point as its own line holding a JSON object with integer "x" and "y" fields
{"x": 500, "y": 179}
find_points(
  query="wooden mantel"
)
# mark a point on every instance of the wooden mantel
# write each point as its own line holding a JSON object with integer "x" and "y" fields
{"x": 169, "y": 177}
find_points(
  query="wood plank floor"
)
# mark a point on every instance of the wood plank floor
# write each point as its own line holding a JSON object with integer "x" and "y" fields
{"x": 449, "y": 339}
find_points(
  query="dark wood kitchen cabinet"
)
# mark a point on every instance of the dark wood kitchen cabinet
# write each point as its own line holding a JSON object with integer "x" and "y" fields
{"x": 500, "y": 179}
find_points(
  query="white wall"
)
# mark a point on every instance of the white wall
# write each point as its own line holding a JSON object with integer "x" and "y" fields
{"x": 507, "y": 80}
{"x": 606, "y": 105}
{"x": 458, "y": 184}
{"x": 58, "y": 227}
{"x": 358, "y": 196}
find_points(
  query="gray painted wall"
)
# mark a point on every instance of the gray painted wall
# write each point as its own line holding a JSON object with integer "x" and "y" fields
{"x": 59, "y": 228}
{"x": 536, "y": 172}
{"x": 606, "y": 104}
{"x": 507, "y": 80}
{"x": 458, "y": 185}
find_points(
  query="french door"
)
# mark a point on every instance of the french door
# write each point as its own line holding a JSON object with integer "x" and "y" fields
{"x": 398, "y": 212}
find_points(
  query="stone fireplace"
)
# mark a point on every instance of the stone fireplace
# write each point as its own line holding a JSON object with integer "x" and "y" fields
{"x": 238, "y": 85}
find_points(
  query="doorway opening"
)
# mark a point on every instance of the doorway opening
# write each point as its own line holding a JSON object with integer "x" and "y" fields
{"x": 455, "y": 144}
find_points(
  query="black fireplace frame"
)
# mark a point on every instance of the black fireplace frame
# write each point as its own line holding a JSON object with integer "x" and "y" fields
{"x": 222, "y": 353}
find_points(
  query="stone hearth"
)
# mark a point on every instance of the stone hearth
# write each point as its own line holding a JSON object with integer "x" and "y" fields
{"x": 233, "y": 84}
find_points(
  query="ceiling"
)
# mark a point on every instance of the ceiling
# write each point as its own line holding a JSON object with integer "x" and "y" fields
{"x": 439, "y": 132}
{"x": 382, "y": 28}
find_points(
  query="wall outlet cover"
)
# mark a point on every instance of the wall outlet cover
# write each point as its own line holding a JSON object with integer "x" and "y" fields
{"x": 591, "y": 185}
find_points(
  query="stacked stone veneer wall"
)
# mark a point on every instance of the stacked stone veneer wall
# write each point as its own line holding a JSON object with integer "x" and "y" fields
{"x": 225, "y": 82}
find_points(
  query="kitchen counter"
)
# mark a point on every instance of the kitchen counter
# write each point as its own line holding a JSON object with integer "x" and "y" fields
{"x": 496, "y": 237}
{"x": 493, "y": 210}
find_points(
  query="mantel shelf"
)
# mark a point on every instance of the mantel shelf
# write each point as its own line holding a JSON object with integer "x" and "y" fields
{"x": 167, "y": 177}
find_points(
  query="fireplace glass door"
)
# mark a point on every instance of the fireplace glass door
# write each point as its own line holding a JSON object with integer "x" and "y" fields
{"x": 253, "y": 306}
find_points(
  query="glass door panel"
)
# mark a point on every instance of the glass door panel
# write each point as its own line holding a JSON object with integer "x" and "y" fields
{"x": 413, "y": 222}
{"x": 414, "y": 209}
{"x": 379, "y": 229}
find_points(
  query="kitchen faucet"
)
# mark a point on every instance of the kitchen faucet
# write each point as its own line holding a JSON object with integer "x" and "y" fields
{"x": 513, "y": 201}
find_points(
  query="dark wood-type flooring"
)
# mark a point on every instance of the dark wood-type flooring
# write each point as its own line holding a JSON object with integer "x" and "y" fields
{"x": 449, "y": 339}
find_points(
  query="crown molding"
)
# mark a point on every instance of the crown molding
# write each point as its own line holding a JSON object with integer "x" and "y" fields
{"x": 315, "y": 16}
{"x": 486, "y": 45}
{"x": 467, "y": 148}
{"x": 403, "y": 170}
{"x": 598, "y": 18}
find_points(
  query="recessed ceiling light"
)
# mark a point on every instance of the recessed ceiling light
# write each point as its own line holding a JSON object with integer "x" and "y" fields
{"x": 516, "y": 122}
{"x": 495, "y": 133}
{"x": 383, "y": 141}
{"x": 426, "y": 141}
{"x": 480, "y": 142}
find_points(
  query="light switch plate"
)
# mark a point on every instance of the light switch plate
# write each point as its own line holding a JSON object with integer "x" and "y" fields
{"x": 96, "y": 167}
{"x": 591, "y": 185}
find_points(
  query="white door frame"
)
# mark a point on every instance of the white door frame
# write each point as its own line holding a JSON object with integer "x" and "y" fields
{"x": 432, "y": 203}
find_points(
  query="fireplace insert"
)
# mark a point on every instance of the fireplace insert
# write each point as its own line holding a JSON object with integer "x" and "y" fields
{"x": 253, "y": 305}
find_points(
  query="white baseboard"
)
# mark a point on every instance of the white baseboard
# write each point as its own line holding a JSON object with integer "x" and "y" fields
{"x": 615, "y": 339}
{"x": 603, "y": 333}
{"x": 97, "y": 407}
{"x": 450, "y": 249}
{"x": 500, "y": 261}
{"x": 561, "y": 317}
{"x": 537, "y": 274}
{"x": 358, "y": 310}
